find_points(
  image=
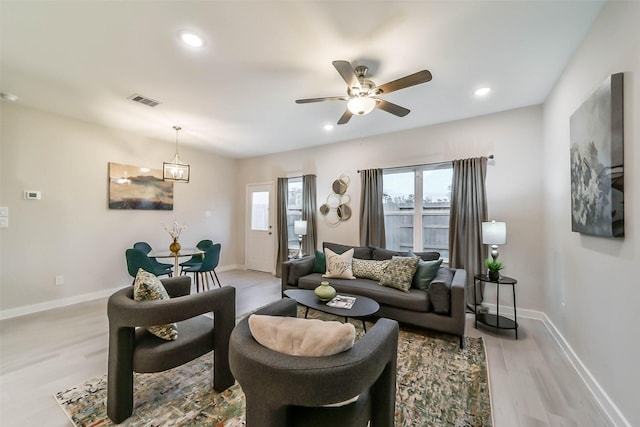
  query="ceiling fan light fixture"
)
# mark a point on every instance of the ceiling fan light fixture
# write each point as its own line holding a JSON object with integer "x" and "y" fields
{"x": 361, "y": 105}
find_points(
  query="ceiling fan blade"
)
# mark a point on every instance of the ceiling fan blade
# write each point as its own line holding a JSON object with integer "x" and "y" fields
{"x": 328, "y": 98}
{"x": 348, "y": 74}
{"x": 392, "y": 108}
{"x": 345, "y": 117}
{"x": 406, "y": 81}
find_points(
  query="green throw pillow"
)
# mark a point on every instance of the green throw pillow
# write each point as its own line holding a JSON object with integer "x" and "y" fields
{"x": 147, "y": 287}
{"x": 399, "y": 273}
{"x": 320, "y": 263}
{"x": 425, "y": 273}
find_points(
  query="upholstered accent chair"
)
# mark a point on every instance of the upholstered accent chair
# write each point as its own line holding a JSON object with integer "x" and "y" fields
{"x": 134, "y": 349}
{"x": 284, "y": 390}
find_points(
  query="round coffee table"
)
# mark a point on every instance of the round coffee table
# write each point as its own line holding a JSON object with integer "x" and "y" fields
{"x": 362, "y": 307}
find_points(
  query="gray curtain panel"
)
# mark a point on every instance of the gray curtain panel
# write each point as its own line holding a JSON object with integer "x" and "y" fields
{"x": 310, "y": 241}
{"x": 371, "y": 209}
{"x": 281, "y": 220}
{"x": 468, "y": 211}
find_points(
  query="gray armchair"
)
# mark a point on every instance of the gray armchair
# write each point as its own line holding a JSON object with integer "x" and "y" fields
{"x": 137, "y": 350}
{"x": 283, "y": 390}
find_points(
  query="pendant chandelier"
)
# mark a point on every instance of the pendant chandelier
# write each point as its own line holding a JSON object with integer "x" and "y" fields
{"x": 176, "y": 170}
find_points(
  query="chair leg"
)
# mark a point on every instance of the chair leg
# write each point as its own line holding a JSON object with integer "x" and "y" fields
{"x": 219, "y": 284}
{"x": 206, "y": 280}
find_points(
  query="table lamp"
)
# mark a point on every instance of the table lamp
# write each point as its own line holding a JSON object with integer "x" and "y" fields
{"x": 494, "y": 234}
{"x": 300, "y": 228}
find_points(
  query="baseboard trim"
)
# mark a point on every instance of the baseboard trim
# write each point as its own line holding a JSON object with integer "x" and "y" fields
{"x": 63, "y": 302}
{"x": 507, "y": 311}
{"x": 602, "y": 398}
{"x": 58, "y": 303}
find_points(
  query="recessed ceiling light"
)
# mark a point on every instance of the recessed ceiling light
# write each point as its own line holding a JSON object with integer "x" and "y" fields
{"x": 327, "y": 127}
{"x": 8, "y": 96}
{"x": 482, "y": 91}
{"x": 191, "y": 39}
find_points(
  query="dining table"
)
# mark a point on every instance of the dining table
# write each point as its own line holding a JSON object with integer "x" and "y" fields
{"x": 183, "y": 252}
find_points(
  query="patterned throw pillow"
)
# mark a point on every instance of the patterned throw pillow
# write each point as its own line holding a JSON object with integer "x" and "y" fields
{"x": 369, "y": 269}
{"x": 338, "y": 266}
{"x": 147, "y": 287}
{"x": 399, "y": 273}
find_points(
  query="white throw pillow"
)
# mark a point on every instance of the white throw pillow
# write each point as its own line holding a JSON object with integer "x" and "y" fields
{"x": 302, "y": 337}
{"x": 339, "y": 266}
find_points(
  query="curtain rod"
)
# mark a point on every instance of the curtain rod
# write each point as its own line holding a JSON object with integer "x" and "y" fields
{"x": 490, "y": 157}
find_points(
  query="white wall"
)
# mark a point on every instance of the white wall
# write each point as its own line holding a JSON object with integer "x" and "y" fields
{"x": 597, "y": 278}
{"x": 514, "y": 181}
{"x": 71, "y": 231}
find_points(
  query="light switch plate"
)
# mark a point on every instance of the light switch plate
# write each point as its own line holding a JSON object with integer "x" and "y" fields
{"x": 4, "y": 211}
{"x": 4, "y": 222}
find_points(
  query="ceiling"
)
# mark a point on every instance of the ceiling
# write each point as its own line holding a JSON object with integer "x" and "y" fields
{"x": 235, "y": 96}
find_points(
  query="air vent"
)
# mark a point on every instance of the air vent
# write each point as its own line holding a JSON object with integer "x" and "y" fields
{"x": 143, "y": 100}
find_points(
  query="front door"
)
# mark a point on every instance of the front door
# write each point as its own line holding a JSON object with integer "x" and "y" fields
{"x": 260, "y": 242}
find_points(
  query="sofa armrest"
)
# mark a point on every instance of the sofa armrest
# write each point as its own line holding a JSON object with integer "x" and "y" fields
{"x": 294, "y": 269}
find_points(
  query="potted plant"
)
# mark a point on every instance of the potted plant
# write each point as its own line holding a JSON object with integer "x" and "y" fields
{"x": 494, "y": 267}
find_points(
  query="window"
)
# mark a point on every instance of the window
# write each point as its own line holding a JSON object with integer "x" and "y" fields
{"x": 294, "y": 209}
{"x": 420, "y": 224}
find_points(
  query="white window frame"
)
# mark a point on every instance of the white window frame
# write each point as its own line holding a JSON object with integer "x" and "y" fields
{"x": 418, "y": 212}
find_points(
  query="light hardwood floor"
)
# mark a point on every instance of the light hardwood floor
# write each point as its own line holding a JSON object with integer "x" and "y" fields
{"x": 532, "y": 382}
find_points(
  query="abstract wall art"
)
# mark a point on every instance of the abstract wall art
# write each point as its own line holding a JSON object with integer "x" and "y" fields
{"x": 597, "y": 173}
{"x": 134, "y": 187}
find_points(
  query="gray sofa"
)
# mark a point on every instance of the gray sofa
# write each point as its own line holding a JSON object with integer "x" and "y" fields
{"x": 441, "y": 308}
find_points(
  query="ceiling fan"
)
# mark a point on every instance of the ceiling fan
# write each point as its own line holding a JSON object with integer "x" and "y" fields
{"x": 362, "y": 94}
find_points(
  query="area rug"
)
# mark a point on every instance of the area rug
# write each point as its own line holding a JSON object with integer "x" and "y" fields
{"x": 438, "y": 384}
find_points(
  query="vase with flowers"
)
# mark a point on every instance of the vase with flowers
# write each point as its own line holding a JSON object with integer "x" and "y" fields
{"x": 174, "y": 231}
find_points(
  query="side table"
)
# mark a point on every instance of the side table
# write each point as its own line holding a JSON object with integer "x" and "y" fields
{"x": 495, "y": 320}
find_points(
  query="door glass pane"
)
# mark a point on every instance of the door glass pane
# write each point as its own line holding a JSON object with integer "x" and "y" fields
{"x": 260, "y": 210}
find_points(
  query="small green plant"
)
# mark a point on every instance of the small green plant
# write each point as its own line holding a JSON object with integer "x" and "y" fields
{"x": 494, "y": 266}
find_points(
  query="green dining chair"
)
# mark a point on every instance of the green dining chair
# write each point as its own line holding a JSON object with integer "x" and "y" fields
{"x": 146, "y": 248}
{"x": 138, "y": 259}
{"x": 203, "y": 245}
{"x": 208, "y": 265}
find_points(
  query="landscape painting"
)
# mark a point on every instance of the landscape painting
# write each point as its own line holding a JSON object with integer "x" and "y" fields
{"x": 597, "y": 174}
{"x": 134, "y": 187}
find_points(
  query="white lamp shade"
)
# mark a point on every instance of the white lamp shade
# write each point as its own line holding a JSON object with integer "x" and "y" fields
{"x": 494, "y": 233}
{"x": 300, "y": 228}
{"x": 361, "y": 105}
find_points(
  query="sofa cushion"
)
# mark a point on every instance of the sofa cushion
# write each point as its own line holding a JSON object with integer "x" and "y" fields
{"x": 339, "y": 265}
{"x": 360, "y": 252}
{"x": 425, "y": 273}
{"x": 399, "y": 273}
{"x": 320, "y": 263}
{"x": 369, "y": 269}
{"x": 380, "y": 254}
{"x": 302, "y": 337}
{"x": 147, "y": 287}
{"x": 414, "y": 300}
{"x": 440, "y": 291}
{"x": 298, "y": 268}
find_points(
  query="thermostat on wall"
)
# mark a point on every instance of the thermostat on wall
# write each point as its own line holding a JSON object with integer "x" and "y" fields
{"x": 32, "y": 195}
